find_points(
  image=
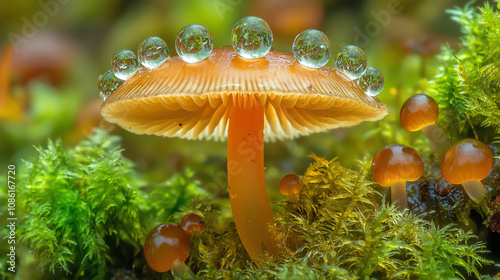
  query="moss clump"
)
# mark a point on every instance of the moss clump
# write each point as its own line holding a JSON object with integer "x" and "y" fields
{"x": 341, "y": 229}
{"x": 468, "y": 84}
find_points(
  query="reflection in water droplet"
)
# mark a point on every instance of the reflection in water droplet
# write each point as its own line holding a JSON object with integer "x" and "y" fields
{"x": 194, "y": 43}
{"x": 107, "y": 84}
{"x": 352, "y": 61}
{"x": 124, "y": 64}
{"x": 311, "y": 48}
{"x": 252, "y": 37}
{"x": 152, "y": 52}
{"x": 372, "y": 81}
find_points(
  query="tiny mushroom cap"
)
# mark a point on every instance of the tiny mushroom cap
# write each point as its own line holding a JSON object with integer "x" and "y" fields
{"x": 166, "y": 246}
{"x": 290, "y": 184}
{"x": 192, "y": 222}
{"x": 418, "y": 111}
{"x": 193, "y": 101}
{"x": 396, "y": 163}
{"x": 467, "y": 162}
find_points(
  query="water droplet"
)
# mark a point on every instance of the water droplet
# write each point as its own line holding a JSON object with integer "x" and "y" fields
{"x": 124, "y": 64}
{"x": 194, "y": 43}
{"x": 311, "y": 48}
{"x": 352, "y": 61}
{"x": 252, "y": 37}
{"x": 152, "y": 52}
{"x": 372, "y": 81}
{"x": 107, "y": 84}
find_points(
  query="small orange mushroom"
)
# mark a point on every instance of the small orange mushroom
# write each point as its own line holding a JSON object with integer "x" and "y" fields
{"x": 246, "y": 102}
{"x": 291, "y": 185}
{"x": 166, "y": 248}
{"x": 393, "y": 166}
{"x": 421, "y": 112}
{"x": 192, "y": 222}
{"x": 467, "y": 162}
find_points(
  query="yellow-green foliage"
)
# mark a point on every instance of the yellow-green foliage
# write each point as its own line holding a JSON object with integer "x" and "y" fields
{"x": 468, "y": 85}
{"x": 341, "y": 229}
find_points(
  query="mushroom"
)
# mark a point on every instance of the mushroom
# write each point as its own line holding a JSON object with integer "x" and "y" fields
{"x": 166, "y": 248}
{"x": 291, "y": 185}
{"x": 421, "y": 112}
{"x": 247, "y": 102}
{"x": 192, "y": 222}
{"x": 467, "y": 162}
{"x": 393, "y": 166}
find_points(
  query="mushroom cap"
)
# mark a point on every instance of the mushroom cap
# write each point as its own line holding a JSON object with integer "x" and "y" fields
{"x": 466, "y": 160}
{"x": 290, "y": 184}
{"x": 396, "y": 163}
{"x": 192, "y": 222}
{"x": 418, "y": 111}
{"x": 166, "y": 246}
{"x": 192, "y": 101}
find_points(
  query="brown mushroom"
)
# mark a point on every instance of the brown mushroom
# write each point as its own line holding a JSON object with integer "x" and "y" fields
{"x": 421, "y": 112}
{"x": 467, "y": 162}
{"x": 247, "y": 102}
{"x": 393, "y": 166}
{"x": 192, "y": 223}
{"x": 290, "y": 185}
{"x": 166, "y": 248}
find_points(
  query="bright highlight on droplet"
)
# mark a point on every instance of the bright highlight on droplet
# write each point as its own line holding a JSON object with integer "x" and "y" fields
{"x": 124, "y": 64}
{"x": 352, "y": 61}
{"x": 152, "y": 52}
{"x": 372, "y": 81}
{"x": 194, "y": 43}
{"x": 252, "y": 37}
{"x": 107, "y": 84}
{"x": 311, "y": 48}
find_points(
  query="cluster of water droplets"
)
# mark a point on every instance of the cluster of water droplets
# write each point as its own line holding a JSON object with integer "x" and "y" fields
{"x": 252, "y": 38}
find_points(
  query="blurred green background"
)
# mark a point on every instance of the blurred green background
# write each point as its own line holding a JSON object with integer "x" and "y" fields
{"x": 62, "y": 46}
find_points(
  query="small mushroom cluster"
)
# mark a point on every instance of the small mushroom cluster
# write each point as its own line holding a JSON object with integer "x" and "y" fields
{"x": 251, "y": 39}
{"x": 466, "y": 162}
{"x": 167, "y": 245}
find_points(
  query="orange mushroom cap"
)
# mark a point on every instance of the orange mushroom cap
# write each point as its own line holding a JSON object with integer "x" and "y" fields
{"x": 166, "y": 246}
{"x": 192, "y": 222}
{"x": 418, "y": 111}
{"x": 290, "y": 184}
{"x": 466, "y": 160}
{"x": 396, "y": 163}
{"x": 192, "y": 101}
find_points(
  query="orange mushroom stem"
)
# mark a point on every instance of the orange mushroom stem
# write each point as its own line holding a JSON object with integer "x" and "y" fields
{"x": 291, "y": 185}
{"x": 393, "y": 166}
{"x": 467, "y": 162}
{"x": 421, "y": 112}
{"x": 247, "y": 186}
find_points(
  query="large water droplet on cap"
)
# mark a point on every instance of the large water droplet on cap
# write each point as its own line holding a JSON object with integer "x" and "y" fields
{"x": 124, "y": 64}
{"x": 194, "y": 43}
{"x": 311, "y": 48}
{"x": 352, "y": 61}
{"x": 152, "y": 52}
{"x": 252, "y": 37}
{"x": 372, "y": 81}
{"x": 107, "y": 84}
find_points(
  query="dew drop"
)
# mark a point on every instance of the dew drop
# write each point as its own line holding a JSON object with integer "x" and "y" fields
{"x": 352, "y": 61}
{"x": 372, "y": 81}
{"x": 124, "y": 64}
{"x": 107, "y": 84}
{"x": 194, "y": 43}
{"x": 311, "y": 48}
{"x": 152, "y": 52}
{"x": 252, "y": 37}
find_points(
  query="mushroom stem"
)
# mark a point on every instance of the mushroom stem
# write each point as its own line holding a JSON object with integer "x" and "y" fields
{"x": 182, "y": 269}
{"x": 398, "y": 195}
{"x": 247, "y": 187}
{"x": 440, "y": 142}
{"x": 293, "y": 197}
{"x": 475, "y": 189}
